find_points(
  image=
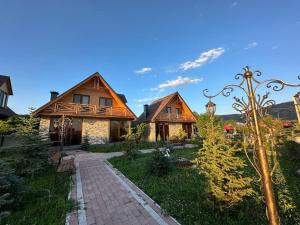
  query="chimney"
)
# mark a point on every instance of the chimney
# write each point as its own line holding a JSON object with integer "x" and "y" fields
{"x": 146, "y": 110}
{"x": 54, "y": 95}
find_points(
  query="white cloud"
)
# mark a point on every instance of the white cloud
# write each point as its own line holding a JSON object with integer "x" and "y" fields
{"x": 147, "y": 99}
{"x": 204, "y": 58}
{"x": 274, "y": 47}
{"x": 251, "y": 45}
{"x": 234, "y": 4}
{"x": 144, "y": 70}
{"x": 177, "y": 82}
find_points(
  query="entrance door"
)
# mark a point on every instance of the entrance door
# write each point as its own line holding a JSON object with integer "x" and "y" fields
{"x": 162, "y": 130}
{"x": 118, "y": 130}
{"x": 187, "y": 127}
{"x": 73, "y": 133}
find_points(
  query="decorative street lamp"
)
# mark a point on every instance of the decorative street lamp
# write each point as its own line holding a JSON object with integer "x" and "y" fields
{"x": 296, "y": 99}
{"x": 210, "y": 108}
{"x": 254, "y": 110}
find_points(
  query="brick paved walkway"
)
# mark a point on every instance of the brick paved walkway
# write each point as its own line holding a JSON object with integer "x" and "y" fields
{"x": 109, "y": 198}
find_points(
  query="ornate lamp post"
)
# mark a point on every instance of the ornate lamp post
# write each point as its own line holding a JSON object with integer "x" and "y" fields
{"x": 210, "y": 108}
{"x": 296, "y": 99}
{"x": 254, "y": 110}
{"x": 62, "y": 123}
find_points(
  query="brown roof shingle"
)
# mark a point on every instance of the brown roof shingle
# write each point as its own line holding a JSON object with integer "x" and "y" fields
{"x": 155, "y": 108}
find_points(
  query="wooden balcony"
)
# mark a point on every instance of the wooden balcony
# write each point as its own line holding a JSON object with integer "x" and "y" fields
{"x": 74, "y": 109}
{"x": 171, "y": 117}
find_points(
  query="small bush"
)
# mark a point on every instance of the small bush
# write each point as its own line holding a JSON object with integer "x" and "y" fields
{"x": 159, "y": 164}
{"x": 86, "y": 143}
{"x": 130, "y": 149}
{"x": 179, "y": 137}
{"x": 32, "y": 156}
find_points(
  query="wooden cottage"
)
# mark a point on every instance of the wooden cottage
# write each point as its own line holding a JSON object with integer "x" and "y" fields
{"x": 166, "y": 116}
{"x": 94, "y": 109}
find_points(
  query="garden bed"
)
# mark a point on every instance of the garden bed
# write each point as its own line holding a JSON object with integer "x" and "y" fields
{"x": 45, "y": 202}
{"x": 183, "y": 193}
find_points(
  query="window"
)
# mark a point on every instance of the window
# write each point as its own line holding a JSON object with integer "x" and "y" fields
{"x": 168, "y": 110}
{"x": 178, "y": 112}
{"x": 105, "y": 102}
{"x": 3, "y": 99}
{"x": 81, "y": 99}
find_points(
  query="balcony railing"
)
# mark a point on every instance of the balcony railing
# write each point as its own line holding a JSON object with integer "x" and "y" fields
{"x": 175, "y": 117}
{"x": 60, "y": 108}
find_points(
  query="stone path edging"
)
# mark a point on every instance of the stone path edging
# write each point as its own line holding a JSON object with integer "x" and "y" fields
{"x": 80, "y": 198}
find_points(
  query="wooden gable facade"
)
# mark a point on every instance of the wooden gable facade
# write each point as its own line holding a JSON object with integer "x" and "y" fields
{"x": 175, "y": 110}
{"x": 92, "y": 97}
{"x": 166, "y": 116}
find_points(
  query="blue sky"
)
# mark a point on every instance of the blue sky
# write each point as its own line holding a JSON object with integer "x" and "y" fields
{"x": 146, "y": 49}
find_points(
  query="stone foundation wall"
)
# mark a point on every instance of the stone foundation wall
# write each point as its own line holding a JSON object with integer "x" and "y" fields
{"x": 97, "y": 130}
{"x": 44, "y": 126}
{"x": 174, "y": 128}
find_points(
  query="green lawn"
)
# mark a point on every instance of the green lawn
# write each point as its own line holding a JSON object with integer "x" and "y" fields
{"x": 183, "y": 193}
{"x": 45, "y": 202}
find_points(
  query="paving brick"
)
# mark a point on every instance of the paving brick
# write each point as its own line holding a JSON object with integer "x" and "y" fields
{"x": 108, "y": 202}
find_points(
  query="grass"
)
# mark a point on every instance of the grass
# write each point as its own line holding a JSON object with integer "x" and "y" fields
{"x": 45, "y": 202}
{"x": 120, "y": 146}
{"x": 183, "y": 193}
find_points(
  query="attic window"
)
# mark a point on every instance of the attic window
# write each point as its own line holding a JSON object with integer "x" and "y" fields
{"x": 81, "y": 99}
{"x": 105, "y": 102}
{"x": 168, "y": 110}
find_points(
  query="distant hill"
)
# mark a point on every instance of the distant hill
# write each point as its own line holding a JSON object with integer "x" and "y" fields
{"x": 285, "y": 110}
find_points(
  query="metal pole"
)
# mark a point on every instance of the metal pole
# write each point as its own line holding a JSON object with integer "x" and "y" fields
{"x": 264, "y": 166}
{"x": 296, "y": 103}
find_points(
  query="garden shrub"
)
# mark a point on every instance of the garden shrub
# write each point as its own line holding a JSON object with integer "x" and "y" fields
{"x": 86, "y": 143}
{"x": 11, "y": 189}
{"x": 32, "y": 157}
{"x": 179, "y": 137}
{"x": 218, "y": 162}
{"x": 130, "y": 149}
{"x": 159, "y": 164}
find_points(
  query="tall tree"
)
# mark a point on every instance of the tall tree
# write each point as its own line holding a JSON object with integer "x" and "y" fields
{"x": 218, "y": 162}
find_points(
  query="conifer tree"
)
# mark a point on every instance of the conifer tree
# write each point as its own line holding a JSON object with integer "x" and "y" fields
{"x": 11, "y": 189}
{"x": 218, "y": 162}
{"x": 86, "y": 142}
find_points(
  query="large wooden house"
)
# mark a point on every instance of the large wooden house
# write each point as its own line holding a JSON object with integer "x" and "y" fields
{"x": 166, "y": 116}
{"x": 94, "y": 109}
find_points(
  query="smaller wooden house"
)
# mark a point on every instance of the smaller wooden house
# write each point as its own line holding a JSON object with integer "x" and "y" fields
{"x": 166, "y": 116}
{"x": 94, "y": 109}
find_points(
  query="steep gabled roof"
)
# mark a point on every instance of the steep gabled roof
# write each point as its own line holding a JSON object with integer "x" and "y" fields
{"x": 119, "y": 97}
{"x": 157, "y": 106}
{"x": 6, "y": 79}
{"x": 6, "y": 112}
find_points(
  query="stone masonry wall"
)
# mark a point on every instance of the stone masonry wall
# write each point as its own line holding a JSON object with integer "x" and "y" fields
{"x": 96, "y": 129}
{"x": 151, "y": 132}
{"x": 44, "y": 126}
